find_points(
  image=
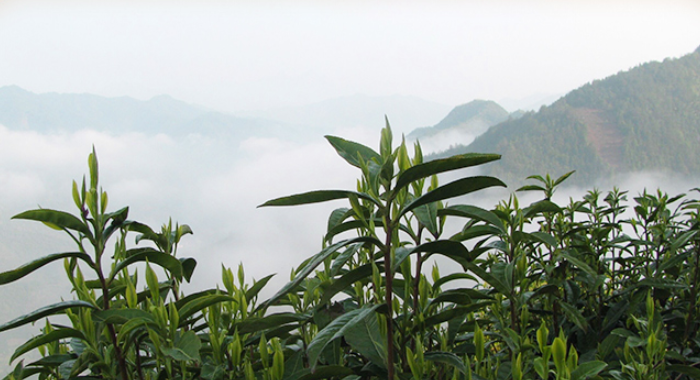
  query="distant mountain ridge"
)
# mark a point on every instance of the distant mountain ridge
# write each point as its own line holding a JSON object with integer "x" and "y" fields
{"x": 647, "y": 118}
{"x": 463, "y": 124}
{"x": 405, "y": 113}
{"x": 474, "y": 117}
{"x": 53, "y": 112}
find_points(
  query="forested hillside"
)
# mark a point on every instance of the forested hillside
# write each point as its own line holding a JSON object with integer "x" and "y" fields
{"x": 647, "y": 118}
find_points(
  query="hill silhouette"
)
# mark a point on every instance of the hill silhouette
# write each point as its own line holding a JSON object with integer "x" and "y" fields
{"x": 646, "y": 118}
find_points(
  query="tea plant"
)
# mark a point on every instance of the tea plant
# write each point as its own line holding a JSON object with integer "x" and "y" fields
{"x": 599, "y": 288}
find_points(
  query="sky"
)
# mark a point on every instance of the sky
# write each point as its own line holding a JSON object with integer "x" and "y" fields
{"x": 238, "y": 56}
{"x": 251, "y": 55}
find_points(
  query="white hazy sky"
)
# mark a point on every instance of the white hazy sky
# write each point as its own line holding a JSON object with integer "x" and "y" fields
{"x": 243, "y": 55}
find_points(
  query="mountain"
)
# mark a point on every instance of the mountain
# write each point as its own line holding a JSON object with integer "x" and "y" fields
{"x": 464, "y": 122}
{"x": 647, "y": 118}
{"x": 405, "y": 113}
{"x": 53, "y": 112}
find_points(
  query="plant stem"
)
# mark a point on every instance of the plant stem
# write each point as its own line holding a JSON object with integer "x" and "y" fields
{"x": 388, "y": 274}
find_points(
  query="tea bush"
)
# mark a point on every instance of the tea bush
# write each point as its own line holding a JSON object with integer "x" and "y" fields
{"x": 592, "y": 289}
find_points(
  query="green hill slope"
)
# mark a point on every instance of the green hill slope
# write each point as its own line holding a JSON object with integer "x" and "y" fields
{"x": 647, "y": 118}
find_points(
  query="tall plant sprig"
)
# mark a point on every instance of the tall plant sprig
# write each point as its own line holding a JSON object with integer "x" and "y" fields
{"x": 389, "y": 190}
{"x": 98, "y": 319}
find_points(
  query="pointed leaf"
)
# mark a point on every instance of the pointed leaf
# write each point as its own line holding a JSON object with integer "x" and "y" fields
{"x": 16, "y": 274}
{"x": 255, "y": 324}
{"x": 574, "y": 315}
{"x": 541, "y": 206}
{"x": 446, "y": 358}
{"x": 312, "y": 264}
{"x": 452, "y": 277}
{"x": 531, "y": 187}
{"x": 349, "y": 278}
{"x": 344, "y": 227}
{"x": 44, "y": 311}
{"x": 563, "y": 178}
{"x": 316, "y": 197}
{"x": 693, "y": 372}
{"x": 197, "y": 304}
{"x": 427, "y": 216}
{"x": 454, "y": 189}
{"x": 443, "y": 165}
{"x": 475, "y": 213}
{"x": 257, "y": 287}
{"x": 173, "y": 265}
{"x": 351, "y": 151}
{"x": 121, "y": 316}
{"x": 323, "y": 372}
{"x": 588, "y": 369}
{"x": 61, "y": 219}
{"x": 186, "y": 348}
{"x": 336, "y": 329}
{"x": 543, "y": 237}
{"x": 580, "y": 264}
{"x": 46, "y": 338}
{"x": 188, "y": 266}
{"x": 366, "y": 338}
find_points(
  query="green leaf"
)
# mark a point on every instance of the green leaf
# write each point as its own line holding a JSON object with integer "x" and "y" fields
{"x": 316, "y": 197}
{"x": 44, "y": 311}
{"x": 338, "y": 216}
{"x": 588, "y": 369}
{"x": 16, "y": 274}
{"x": 580, "y": 264}
{"x": 574, "y": 315}
{"x": 462, "y": 296}
{"x": 452, "y": 249}
{"x": 338, "y": 328}
{"x": 121, "y": 316}
{"x": 447, "y": 358}
{"x": 365, "y": 337}
{"x": 145, "y": 231}
{"x": 312, "y": 264}
{"x": 173, "y": 265}
{"x": 453, "y": 189}
{"x": 349, "y": 278}
{"x": 539, "y": 207}
{"x": 693, "y": 372}
{"x": 490, "y": 279}
{"x": 194, "y": 305}
{"x": 442, "y": 165}
{"x": 255, "y": 324}
{"x": 188, "y": 266}
{"x": 563, "y": 178}
{"x": 257, "y": 287}
{"x": 60, "y": 219}
{"x": 344, "y": 227}
{"x": 452, "y": 277}
{"x": 543, "y": 237}
{"x": 46, "y": 338}
{"x": 531, "y": 187}
{"x": 450, "y": 314}
{"x": 352, "y": 151}
{"x": 427, "y": 216}
{"x": 475, "y": 213}
{"x": 322, "y": 372}
{"x": 186, "y": 348}
{"x": 475, "y": 231}
{"x": 459, "y": 253}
